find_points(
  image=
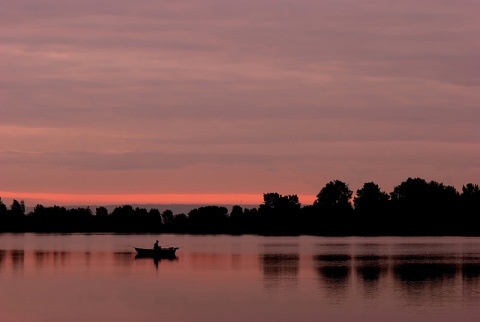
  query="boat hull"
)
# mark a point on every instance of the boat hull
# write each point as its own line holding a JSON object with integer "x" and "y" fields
{"x": 164, "y": 252}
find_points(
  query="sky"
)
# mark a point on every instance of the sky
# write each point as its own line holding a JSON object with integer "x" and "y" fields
{"x": 220, "y": 101}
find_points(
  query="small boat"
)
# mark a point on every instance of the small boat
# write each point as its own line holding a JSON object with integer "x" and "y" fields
{"x": 161, "y": 252}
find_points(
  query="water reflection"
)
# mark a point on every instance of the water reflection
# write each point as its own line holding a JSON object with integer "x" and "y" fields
{"x": 471, "y": 272}
{"x": 363, "y": 272}
{"x": 126, "y": 258}
{"x": 418, "y": 274}
{"x": 334, "y": 272}
{"x": 88, "y": 257}
{"x": 369, "y": 269}
{"x": 277, "y": 279}
{"x": 429, "y": 279}
{"x": 43, "y": 258}
{"x": 416, "y": 278}
{"x": 471, "y": 281}
{"x": 280, "y": 270}
{"x": 2, "y": 257}
{"x": 39, "y": 258}
{"x": 60, "y": 258}
{"x": 123, "y": 258}
{"x": 18, "y": 260}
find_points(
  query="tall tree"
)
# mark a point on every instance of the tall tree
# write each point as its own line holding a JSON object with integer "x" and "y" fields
{"x": 335, "y": 195}
{"x": 425, "y": 208}
{"x": 470, "y": 209}
{"x": 3, "y": 207}
{"x": 279, "y": 214}
{"x": 333, "y": 209}
{"x": 101, "y": 212}
{"x": 371, "y": 208}
{"x": 18, "y": 208}
{"x": 370, "y": 198}
{"x": 208, "y": 219}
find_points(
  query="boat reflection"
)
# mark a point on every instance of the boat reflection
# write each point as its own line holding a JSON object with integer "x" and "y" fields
{"x": 155, "y": 260}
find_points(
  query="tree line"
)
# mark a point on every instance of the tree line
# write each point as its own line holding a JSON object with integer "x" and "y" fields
{"x": 414, "y": 208}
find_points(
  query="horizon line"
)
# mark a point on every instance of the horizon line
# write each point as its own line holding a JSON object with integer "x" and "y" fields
{"x": 145, "y": 198}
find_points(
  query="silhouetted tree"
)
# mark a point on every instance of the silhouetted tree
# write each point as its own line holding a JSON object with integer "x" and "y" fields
{"x": 371, "y": 210}
{"x": 101, "y": 212}
{"x": 334, "y": 196}
{"x": 424, "y": 208}
{"x": 208, "y": 220}
{"x": 167, "y": 219}
{"x": 102, "y": 220}
{"x": 154, "y": 220}
{"x": 250, "y": 220}
{"x": 50, "y": 219}
{"x": 237, "y": 211}
{"x": 180, "y": 223}
{"x": 471, "y": 198}
{"x": 236, "y": 220}
{"x": 416, "y": 207}
{"x": 18, "y": 208}
{"x": 333, "y": 209}
{"x": 470, "y": 209}
{"x": 3, "y": 207}
{"x": 279, "y": 214}
{"x": 15, "y": 217}
{"x": 4, "y": 217}
{"x": 78, "y": 220}
{"x": 274, "y": 200}
{"x": 370, "y": 198}
{"x": 123, "y": 219}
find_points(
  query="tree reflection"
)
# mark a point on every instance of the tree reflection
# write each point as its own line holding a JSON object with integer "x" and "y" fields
{"x": 471, "y": 271}
{"x": 60, "y": 258}
{"x": 39, "y": 258}
{"x": 2, "y": 257}
{"x": 18, "y": 259}
{"x": 418, "y": 274}
{"x": 471, "y": 280}
{"x": 280, "y": 270}
{"x": 334, "y": 272}
{"x": 426, "y": 278}
{"x": 369, "y": 268}
{"x": 123, "y": 258}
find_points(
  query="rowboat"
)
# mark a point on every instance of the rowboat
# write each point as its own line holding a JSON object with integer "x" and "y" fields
{"x": 163, "y": 252}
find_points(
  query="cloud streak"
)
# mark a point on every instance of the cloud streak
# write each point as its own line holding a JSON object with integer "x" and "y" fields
{"x": 265, "y": 95}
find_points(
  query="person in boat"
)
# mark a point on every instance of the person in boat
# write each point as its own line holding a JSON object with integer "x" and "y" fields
{"x": 156, "y": 247}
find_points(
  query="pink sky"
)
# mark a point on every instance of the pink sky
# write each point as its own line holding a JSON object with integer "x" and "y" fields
{"x": 180, "y": 101}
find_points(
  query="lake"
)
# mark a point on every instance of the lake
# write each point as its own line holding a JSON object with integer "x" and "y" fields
{"x": 96, "y": 277}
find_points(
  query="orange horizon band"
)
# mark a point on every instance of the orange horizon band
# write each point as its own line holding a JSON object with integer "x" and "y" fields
{"x": 212, "y": 198}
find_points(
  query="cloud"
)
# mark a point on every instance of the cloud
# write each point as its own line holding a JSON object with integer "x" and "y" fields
{"x": 260, "y": 93}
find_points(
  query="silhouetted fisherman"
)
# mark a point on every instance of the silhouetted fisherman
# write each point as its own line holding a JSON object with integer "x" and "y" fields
{"x": 156, "y": 247}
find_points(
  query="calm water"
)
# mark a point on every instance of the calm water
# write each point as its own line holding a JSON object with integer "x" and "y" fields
{"x": 239, "y": 278}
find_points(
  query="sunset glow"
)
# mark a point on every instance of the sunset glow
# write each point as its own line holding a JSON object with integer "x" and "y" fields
{"x": 90, "y": 199}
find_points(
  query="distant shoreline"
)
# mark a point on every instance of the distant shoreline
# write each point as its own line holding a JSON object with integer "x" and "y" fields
{"x": 174, "y": 207}
{"x": 414, "y": 208}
